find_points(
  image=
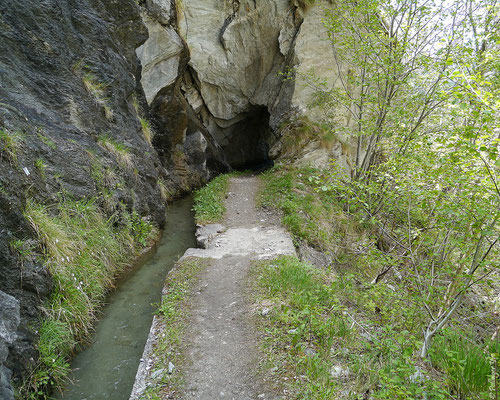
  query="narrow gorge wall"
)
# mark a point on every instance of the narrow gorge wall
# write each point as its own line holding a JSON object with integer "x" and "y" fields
{"x": 68, "y": 74}
{"x": 80, "y": 79}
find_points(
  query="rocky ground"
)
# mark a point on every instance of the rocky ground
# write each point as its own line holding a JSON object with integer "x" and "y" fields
{"x": 222, "y": 354}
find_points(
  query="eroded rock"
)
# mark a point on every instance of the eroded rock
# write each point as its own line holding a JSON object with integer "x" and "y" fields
{"x": 9, "y": 321}
{"x": 206, "y": 233}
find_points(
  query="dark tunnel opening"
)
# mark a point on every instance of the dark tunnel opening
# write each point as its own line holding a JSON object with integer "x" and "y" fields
{"x": 246, "y": 142}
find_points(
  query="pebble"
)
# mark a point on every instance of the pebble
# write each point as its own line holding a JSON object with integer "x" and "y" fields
{"x": 337, "y": 371}
{"x": 157, "y": 373}
{"x": 265, "y": 312}
{"x": 171, "y": 367}
{"x": 310, "y": 352}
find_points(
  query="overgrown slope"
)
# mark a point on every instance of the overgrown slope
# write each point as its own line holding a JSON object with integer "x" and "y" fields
{"x": 353, "y": 329}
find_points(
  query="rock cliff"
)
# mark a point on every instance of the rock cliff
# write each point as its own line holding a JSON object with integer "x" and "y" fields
{"x": 184, "y": 88}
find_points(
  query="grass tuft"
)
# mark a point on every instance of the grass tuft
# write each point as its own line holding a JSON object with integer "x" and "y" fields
{"x": 98, "y": 91}
{"x": 466, "y": 365}
{"x": 209, "y": 200}
{"x": 147, "y": 131}
{"x": 121, "y": 152}
{"x": 10, "y": 144}
{"x": 46, "y": 140}
{"x": 41, "y": 167}
{"x": 165, "y": 193}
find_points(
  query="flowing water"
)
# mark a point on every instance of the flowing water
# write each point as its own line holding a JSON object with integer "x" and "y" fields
{"x": 106, "y": 368}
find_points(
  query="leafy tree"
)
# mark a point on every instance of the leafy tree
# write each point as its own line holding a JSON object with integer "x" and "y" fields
{"x": 419, "y": 80}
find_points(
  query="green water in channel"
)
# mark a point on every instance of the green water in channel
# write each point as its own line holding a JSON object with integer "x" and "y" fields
{"x": 106, "y": 368}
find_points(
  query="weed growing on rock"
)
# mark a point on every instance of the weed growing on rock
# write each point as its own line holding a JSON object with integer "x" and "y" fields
{"x": 164, "y": 191}
{"x": 46, "y": 140}
{"x": 10, "y": 143}
{"x": 120, "y": 151}
{"x": 98, "y": 91}
{"x": 146, "y": 130}
{"x": 41, "y": 167}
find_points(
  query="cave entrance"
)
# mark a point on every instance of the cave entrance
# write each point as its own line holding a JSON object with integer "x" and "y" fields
{"x": 246, "y": 142}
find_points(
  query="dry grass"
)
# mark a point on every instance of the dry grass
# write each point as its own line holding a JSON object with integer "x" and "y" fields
{"x": 120, "y": 151}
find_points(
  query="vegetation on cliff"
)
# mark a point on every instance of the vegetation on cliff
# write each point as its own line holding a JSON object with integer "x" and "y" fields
{"x": 84, "y": 252}
{"x": 356, "y": 326}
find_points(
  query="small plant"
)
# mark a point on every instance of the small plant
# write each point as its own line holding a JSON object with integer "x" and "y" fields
{"x": 467, "y": 365}
{"x": 10, "y": 143}
{"x": 46, "y": 140}
{"x": 141, "y": 229}
{"x": 164, "y": 192}
{"x": 23, "y": 248}
{"x": 145, "y": 124}
{"x": 121, "y": 152}
{"x": 41, "y": 167}
{"x": 146, "y": 130}
{"x": 98, "y": 91}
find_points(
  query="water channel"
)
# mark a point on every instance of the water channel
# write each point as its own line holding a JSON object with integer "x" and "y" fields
{"x": 106, "y": 368}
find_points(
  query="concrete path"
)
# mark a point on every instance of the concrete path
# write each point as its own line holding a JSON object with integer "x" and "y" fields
{"x": 223, "y": 349}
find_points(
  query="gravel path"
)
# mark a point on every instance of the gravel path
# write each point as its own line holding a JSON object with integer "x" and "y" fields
{"x": 222, "y": 349}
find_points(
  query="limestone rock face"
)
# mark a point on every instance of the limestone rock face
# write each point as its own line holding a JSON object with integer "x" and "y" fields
{"x": 160, "y": 56}
{"x": 313, "y": 52}
{"x": 163, "y": 11}
{"x": 184, "y": 143}
{"x": 237, "y": 48}
{"x": 236, "y": 54}
{"x": 234, "y": 46}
